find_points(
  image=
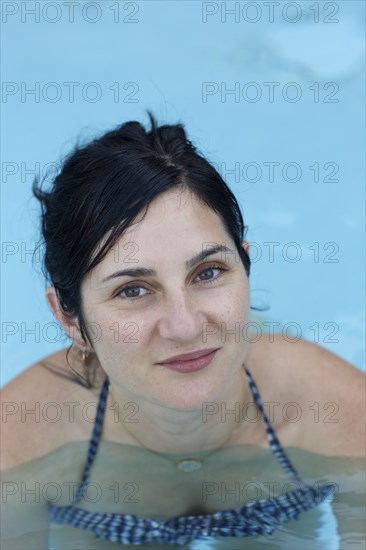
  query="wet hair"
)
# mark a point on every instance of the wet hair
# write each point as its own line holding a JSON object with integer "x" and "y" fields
{"x": 101, "y": 189}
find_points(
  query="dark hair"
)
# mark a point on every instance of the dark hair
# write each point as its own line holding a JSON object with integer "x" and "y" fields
{"x": 104, "y": 185}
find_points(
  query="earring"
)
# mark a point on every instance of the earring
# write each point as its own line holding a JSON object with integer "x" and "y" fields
{"x": 84, "y": 355}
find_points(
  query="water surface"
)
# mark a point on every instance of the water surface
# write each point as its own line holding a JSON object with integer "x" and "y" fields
{"x": 131, "y": 480}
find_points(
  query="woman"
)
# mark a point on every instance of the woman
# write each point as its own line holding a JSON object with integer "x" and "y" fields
{"x": 149, "y": 278}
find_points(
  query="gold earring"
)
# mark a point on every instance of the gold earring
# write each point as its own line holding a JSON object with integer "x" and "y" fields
{"x": 84, "y": 355}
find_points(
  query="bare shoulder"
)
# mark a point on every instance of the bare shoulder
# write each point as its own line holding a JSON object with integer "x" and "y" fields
{"x": 322, "y": 397}
{"x": 41, "y": 411}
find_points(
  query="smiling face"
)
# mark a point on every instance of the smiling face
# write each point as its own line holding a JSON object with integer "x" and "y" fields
{"x": 171, "y": 307}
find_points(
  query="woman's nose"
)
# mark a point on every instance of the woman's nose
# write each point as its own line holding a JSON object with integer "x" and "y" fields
{"x": 182, "y": 319}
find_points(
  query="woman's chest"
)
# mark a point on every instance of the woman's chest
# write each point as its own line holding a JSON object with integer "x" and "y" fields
{"x": 127, "y": 480}
{"x": 130, "y": 480}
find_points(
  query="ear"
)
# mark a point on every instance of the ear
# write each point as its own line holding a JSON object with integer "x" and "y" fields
{"x": 70, "y": 325}
{"x": 246, "y": 246}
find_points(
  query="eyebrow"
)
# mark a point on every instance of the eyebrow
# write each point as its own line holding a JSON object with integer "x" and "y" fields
{"x": 147, "y": 272}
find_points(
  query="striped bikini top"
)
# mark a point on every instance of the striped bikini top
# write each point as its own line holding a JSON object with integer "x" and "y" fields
{"x": 261, "y": 517}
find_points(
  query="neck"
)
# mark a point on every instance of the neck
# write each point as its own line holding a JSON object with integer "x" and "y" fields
{"x": 169, "y": 431}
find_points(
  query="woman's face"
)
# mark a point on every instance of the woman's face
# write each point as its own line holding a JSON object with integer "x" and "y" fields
{"x": 176, "y": 310}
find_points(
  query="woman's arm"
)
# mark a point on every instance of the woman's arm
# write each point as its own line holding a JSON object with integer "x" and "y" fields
{"x": 29, "y": 469}
{"x": 328, "y": 396}
{"x": 24, "y": 512}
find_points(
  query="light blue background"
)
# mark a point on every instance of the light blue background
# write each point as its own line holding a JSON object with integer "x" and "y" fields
{"x": 168, "y": 53}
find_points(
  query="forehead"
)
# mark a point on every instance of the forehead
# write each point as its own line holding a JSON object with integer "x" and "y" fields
{"x": 176, "y": 226}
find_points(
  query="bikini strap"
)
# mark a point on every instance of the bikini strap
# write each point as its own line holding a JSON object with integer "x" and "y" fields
{"x": 94, "y": 440}
{"x": 271, "y": 435}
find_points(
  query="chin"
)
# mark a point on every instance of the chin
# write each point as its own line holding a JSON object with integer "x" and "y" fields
{"x": 190, "y": 395}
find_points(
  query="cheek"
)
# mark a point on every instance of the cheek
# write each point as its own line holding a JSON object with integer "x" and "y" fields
{"x": 118, "y": 334}
{"x": 235, "y": 304}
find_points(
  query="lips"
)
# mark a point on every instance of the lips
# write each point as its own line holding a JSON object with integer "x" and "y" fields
{"x": 189, "y": 366}
{"x": 187, "y": 356}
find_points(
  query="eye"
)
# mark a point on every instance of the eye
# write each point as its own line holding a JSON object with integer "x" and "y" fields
{"x": 210, "y": 269}
{"x": 132, "y": 290}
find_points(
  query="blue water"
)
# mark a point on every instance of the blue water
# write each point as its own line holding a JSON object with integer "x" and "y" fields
{"x": 325, "y": 537}
{"x": 181, "y": 59}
